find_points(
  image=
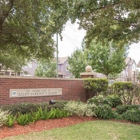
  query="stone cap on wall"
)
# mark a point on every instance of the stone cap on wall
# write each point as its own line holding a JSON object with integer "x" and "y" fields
{"x": 34, "y": 77}
{"x": 88, "y": 73}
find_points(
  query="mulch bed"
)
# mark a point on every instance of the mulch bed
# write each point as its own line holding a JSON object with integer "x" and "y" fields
{"x": 46, "y": 125}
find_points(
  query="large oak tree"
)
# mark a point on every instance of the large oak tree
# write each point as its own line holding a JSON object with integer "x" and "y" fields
{"x": 112, "y": 20}
{"x": 27, "y": 26}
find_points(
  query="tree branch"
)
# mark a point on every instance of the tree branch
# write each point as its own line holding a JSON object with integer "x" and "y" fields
{"x": 6, "y": 13}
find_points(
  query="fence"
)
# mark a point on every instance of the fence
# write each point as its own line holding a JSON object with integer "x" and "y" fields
{"x": 124, "y": 78}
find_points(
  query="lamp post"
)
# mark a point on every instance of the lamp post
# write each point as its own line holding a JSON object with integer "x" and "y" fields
{"x": 57, "y": 55}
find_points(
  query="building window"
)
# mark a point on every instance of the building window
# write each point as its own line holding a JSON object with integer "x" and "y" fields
{"x": 133, "y": 67}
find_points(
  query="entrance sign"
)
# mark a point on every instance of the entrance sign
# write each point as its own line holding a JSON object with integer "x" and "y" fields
{"x": 35, "y": 92}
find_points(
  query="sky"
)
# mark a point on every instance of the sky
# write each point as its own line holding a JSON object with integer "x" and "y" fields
{"x": 72, "y": 38}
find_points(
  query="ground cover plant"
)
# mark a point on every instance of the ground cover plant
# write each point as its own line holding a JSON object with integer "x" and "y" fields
{"x": 80, "y": 109}
{"x": 24, "y": 108}
{"x": 3, "y": 117}
{"x": 97, "y": 130}
{"x": 26, "y": 113}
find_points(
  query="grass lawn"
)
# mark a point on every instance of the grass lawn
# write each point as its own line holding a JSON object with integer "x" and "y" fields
{"x": 94, "y": 130}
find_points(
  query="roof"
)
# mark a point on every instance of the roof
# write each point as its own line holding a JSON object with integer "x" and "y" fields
{"x": 62, "y": 60}
{"x": 129, "y": 61}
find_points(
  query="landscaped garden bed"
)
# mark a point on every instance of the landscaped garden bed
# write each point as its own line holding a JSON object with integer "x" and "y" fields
{"x": 104, "y": 105}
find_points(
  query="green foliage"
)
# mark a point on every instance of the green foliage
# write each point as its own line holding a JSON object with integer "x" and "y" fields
{"x": 95, "y": 86}
{"x": 13, "y": 61}
{"x": 77, "y": 63}
{"x": 46, "y": 68}
{"x": 119, "y": 86}
{"x": 11, "y": 120}
{"x": 54, "y": 113}
{"x": 60, "y": 113}
{"x": 104, "y": 112}
{"x": 123, "y": 108}
{"x": 127, "y": 91}
{"x": 3, "y": 117}
{"x": 24, "y": 108}
{"x": 51, "y": 114}
{"x": 114, "y": 99}
{"x": 22, "y": 119}
{"x": 107, "y": 59}
{"x": 21, "y": 108}
{"x": 79, "y": 108}
{"x": 132, "y": 115}
{"x": 27, "y": 28}
{"x": 99, "y": 100}
{"x": 116, "y": 20}
{"x": 111, "y": 100}
{"x": 40, "y": 114}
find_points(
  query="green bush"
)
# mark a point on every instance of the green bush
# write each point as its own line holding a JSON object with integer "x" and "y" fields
{"x": 24, "y": 108}
{"x": 123, "y": 108}
{"x": 114, "y": 100}
{"x": 127, "y": 91}
{"x": 95, "y": 86}
{"x": 79, "y": 108}
{"x": 132, "y": 115}
{"x": 120, "y": 86}
{"x": 104, "y": 112}
{"x": 3, "y": 117}
{"x": 99, "y": 100}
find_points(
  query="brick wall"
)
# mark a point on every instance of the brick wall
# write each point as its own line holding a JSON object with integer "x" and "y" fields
{"x": 72, "y": 89}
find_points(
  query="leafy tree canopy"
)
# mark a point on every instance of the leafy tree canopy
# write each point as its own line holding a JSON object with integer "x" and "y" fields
{"x": 107, "y": 59}
{"x": 112, "y": 20}
{"x": 77, "y": 62}
{"x": 46, "y": 68}
{"x": 27, "y": 27}
{"x": 10, "y": 60}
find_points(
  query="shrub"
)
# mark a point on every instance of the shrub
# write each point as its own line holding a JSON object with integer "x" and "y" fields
{"x": 123, "y": 108}
{"x": 99, "y": 100}
{"x": 104, "y": 112}
{"x": 117, "y": 116}
{"x": 3, "y": 117}
{"x": 90, "y": 110}
{"x": 24, "y": 108}
{"x": 114, "y": 100}
{"x": 128, "y": 92}
{"x": 132, "y": 115}
{"x": 95, "y": 86}
{"x": 79, "y": 108}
